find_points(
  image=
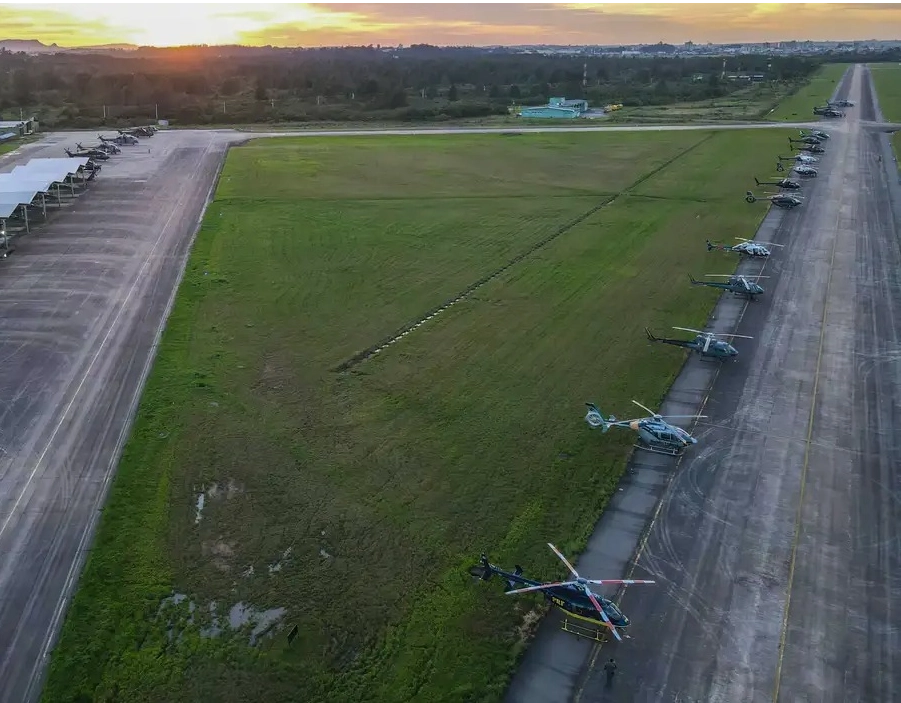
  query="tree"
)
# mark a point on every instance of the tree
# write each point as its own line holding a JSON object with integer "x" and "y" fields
{"x": 452, "y": 93}
{"x": 515, "y": 92}
{"x": 398, "y": 99}
{"x": 22, "y": 88}
{"x": 260, "y": 92}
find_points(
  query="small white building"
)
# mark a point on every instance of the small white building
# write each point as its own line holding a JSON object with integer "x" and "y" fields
{"x": 17, "y": 128}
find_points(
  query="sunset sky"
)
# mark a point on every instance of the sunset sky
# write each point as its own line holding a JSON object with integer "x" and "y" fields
{"x": 469, "y": 24}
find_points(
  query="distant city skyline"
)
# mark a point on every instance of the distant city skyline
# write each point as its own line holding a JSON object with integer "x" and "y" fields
{"x": 310, "y": 25}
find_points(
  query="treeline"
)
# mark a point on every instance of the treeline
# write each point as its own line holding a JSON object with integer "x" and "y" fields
{"x": 228, "y": 85}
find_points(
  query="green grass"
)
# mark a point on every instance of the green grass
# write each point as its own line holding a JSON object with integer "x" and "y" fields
{"x": 748, "y": 104}
{"x": 465, "y": 436}
{"x": 799, "y": 106}
{"x": 887, "y": 81}
{"x": 7, "y": 147}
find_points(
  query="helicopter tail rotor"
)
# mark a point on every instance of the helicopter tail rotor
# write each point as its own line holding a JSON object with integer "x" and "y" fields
{"x": 595, "y": 418}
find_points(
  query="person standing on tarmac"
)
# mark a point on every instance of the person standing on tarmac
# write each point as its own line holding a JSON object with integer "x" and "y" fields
{"x": 610, "y": 671}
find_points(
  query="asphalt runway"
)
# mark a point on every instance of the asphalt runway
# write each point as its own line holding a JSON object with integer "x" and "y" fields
{"x": 83, "y": 299}
{"x": 776, "y": 545}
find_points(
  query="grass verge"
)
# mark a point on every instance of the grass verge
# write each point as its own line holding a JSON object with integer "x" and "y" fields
{"x": 799, "y": 106}
{"x": 355, "y": 501}
{"x": 887, "y": 82}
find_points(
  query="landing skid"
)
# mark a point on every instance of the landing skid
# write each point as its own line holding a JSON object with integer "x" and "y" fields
{"x": 591, "y": 633}
{"x": 655, "y": 450}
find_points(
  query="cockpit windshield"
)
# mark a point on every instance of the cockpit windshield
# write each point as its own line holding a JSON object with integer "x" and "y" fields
{"x": 612, "y": 611}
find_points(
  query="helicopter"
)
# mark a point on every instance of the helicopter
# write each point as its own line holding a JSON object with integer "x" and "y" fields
{"x": 827, "y": 112}
{"x": 574, "y": 596}
{"x": 749, "y": 248}
{"x": 121, "y": 139}
{"x": 108, "y": 149}
{"x": 705, "y": 344}
{"x": 785, "y": 183}
{"x": 840, "y": 103}
{"x": 148, "y": 131}
{"x": 800, "y": 158}
{"x": 801, "y": 169}
{"x": 810, "y": 139}
{"x": 93, "y": 154}
{"x": 809, "y": 148}
{"x": 786, "y": 201}
{"x": 818, "y": 133}
{"x": 737, "y": 284}
{"x": 654, "y": 433}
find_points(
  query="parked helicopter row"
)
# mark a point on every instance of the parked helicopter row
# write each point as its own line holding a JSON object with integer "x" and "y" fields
{"x": 109, "y": 146}
{"x": 655, "y": 434}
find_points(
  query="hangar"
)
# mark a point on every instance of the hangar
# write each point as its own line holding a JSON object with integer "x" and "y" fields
{"x": 28, "y": 186}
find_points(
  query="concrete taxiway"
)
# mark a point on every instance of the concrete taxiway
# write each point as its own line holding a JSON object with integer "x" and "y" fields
{"x": 776, "y": 544}
{"x": 83, "y": 299}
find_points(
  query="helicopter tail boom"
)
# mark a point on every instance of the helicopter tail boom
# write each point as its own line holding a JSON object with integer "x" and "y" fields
{"x": 665, "y": 340}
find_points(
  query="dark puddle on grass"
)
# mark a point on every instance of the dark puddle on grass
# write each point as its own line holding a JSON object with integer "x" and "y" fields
{"x": 212, "y": 623}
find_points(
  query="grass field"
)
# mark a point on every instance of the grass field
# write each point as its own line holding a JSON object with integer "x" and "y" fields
{"x": 357, "y": 500}
{"x": 12, "y": 145}
{"x": 820, "y": 89}
{"x": 745, "y": 105}
{"x": 887, "y": 81}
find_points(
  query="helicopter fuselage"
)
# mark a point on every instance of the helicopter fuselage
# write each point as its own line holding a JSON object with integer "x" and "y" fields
{"x": 753, "y": 250}
{"x": 716, "y": 349}
{"x": 662, "y": 435}
{"x": 568, "y": 598}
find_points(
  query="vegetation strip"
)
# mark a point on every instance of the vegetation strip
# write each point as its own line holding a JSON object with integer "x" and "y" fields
{"x": 431, "y": 314}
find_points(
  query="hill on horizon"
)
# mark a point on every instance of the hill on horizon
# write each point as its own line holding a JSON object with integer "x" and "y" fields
{"x": 35, "y": 46}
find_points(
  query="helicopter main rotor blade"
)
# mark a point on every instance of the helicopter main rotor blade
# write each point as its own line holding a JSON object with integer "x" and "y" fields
{"x": 644, "y": 408}
{"x": 682, "y": 417}
{"x": 754, "y": 241}
{"x": 594, "y": 602}
{"x": 689, "y": 329}
{"x": 737, "y": 336}
{"x": 625, "y": 581}
{"x": 541, "y": 587}
{"x": 563, "y": 559}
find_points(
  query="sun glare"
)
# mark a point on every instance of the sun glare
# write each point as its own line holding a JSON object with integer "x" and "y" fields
{"x": 179, "y": 25}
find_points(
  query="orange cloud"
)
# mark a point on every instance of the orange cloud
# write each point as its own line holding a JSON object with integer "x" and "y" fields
{"x": 476, "y": 24}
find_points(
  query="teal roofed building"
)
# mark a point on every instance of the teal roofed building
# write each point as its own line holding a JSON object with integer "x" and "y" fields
{"x": 559, "y": 108}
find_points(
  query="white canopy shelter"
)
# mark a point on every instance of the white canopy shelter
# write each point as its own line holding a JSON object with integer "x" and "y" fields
{"x": 6, "y": 210}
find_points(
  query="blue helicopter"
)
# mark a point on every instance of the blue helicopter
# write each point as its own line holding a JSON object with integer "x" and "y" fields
{"x": 654, "y": 433}
{"x": 705, "y": 344}
{"x": 573, "y": 596}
